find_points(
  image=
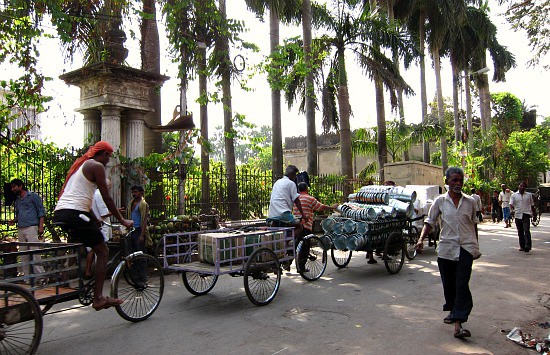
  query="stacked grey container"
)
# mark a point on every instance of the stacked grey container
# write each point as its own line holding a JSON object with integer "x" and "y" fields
{"x": 370, "y": 206}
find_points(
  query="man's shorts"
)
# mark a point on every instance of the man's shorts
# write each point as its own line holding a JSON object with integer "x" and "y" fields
{"x": 79, "y": 230}
{"x": 288, "y": 217}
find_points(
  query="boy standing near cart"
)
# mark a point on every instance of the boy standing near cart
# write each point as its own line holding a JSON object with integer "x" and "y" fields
{"x": 457, "y": 249}
{"x": 138, "y": 211}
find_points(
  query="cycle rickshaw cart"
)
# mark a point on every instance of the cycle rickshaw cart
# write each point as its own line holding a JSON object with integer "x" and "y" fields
{"x": 25, "y": 299}
{"x": 255, "y": 253}
{"x": 383, "y": 236}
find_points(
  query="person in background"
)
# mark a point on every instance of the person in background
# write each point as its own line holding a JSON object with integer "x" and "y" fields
{"x": 479, "y": 206}
{"x": 504, "y": 199}
{"x": 457, "y": 249}
{"x": 495, "y": 208}
{"x": 523, "y": 206}
{"x": 284, "y": 196}
{"x": 138, "y": 211}
{"x": 309, "y": 206}
{"x": 29, "y": 216}
{"x": 102, "y": 214}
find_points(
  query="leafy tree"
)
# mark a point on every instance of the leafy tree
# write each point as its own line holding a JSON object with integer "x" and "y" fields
{"x": 533, "y": 17}
{"x": 525, "y": 156}
{"x": 507, "y": 114}
{"x": 249, "y": 140}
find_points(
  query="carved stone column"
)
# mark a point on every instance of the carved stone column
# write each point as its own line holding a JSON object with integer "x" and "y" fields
{"x": 92, "y": 126}
{"x": 135, "y": 134}
{"x": 110, "y": 132}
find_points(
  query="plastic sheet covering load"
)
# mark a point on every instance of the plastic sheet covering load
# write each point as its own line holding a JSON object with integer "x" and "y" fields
{"x": 230, "y": 247}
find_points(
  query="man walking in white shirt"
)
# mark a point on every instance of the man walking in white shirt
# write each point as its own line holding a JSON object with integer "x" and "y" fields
{"x": 523, "y": 206}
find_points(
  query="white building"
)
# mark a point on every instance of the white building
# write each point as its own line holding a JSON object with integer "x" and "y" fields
{"x": 27, "y": 118}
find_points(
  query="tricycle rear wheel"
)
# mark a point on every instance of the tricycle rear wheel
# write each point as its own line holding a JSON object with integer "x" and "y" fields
{"x": 262, "y": 276}
{"x": 394, "y": 253}
{"x": 20, "y": 321}
{"x": 340, "y": 258}
{"x": 312, "y": 258}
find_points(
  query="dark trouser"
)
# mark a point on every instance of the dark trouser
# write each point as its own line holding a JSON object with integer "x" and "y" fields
{"x": 524, "y": 231}
{"x": 303, "y": 253}
{"x": 455, "y": 277}
{"x": 138, "y": 267}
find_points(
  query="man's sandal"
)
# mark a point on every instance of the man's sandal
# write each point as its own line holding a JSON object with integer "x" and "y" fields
{"x": 463, "y": 333}
{"x": 106, "y": 302}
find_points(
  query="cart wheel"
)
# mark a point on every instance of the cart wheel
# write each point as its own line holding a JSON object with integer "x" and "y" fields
{"x": 86, "y": 295}
{"x": 139, "y": 281}
{"x": 340, "y": 258}
{"x": 20, "y": 321}
{"x": 197, "y": 283}
{"x": 394, "y": 253}
{"x": 262, "y": 276}
{"x": 412, "y": 238}
{"x": 312, "y": 258}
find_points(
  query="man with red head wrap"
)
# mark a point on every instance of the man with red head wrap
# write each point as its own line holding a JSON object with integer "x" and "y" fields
{"x": 74, "y": 210}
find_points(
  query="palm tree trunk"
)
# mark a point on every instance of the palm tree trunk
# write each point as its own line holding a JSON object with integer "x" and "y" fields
{"x": 400, "y": 104}
{"x": 345, "y": 131}
{"x": 277, "y": 138}
{"x": 310, "y": 99}
{"x": 150, "y": 62}
{"x": 423, "y": 90}
{"x": 381, "y": 125}
{"x": 440, "y": 108}
{"x": 232, "y": 188}
{"x": 456, "y": 119}
{"x": 205, "y": 155}
{"x": 469, "y": 123}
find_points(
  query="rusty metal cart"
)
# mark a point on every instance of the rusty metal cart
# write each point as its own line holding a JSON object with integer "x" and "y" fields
{"x": 25, "y": 299}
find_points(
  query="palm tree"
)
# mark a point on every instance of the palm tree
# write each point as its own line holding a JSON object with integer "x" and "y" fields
{"x": 486, "y": 35}
{"x": 310, "y": 98}
{"x": 225, "y": 71}
{"x": 287, "y": 10}
{"x": 359, "y": 33}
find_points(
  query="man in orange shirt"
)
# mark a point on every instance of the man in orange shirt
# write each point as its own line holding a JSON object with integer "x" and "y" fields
{"x": 309, "y": 205}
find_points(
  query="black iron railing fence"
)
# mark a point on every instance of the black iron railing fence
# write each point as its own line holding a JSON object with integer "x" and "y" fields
{"x": 43, "y": 168}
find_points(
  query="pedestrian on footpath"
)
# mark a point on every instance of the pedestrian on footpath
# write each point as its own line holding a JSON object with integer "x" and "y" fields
{"x": 479, "y": 206}
{"x": 29, "y": 216}
{"x": 457, "y": 249}
{"x": 504, "y": 199}
{"x": 523, "y": 206}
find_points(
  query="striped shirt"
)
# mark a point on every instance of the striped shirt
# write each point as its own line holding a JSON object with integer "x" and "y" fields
{"x": 309, "y": 205}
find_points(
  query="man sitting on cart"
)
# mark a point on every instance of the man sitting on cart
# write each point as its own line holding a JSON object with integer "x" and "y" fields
{"x": 283, "y": 197}
{"x": 73, "y": 209}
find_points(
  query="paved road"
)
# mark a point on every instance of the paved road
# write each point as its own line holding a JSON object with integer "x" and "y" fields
{"x": 358, "y": 310}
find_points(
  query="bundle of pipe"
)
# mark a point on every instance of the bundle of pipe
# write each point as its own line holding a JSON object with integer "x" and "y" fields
{"x": 358, "y": 211}
{"x": 369, "y": 197}
{"x": 403, "y": 208}
{"x": 395, "y": 192}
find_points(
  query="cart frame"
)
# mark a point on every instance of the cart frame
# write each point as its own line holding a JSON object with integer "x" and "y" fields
{"x": 258, "y": 261}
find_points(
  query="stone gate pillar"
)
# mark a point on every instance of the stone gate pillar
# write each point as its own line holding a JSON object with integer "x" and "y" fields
{"x": 92, "y": 126}
{"x": 110, "y": 132}
{"x": 135, "y": 133}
